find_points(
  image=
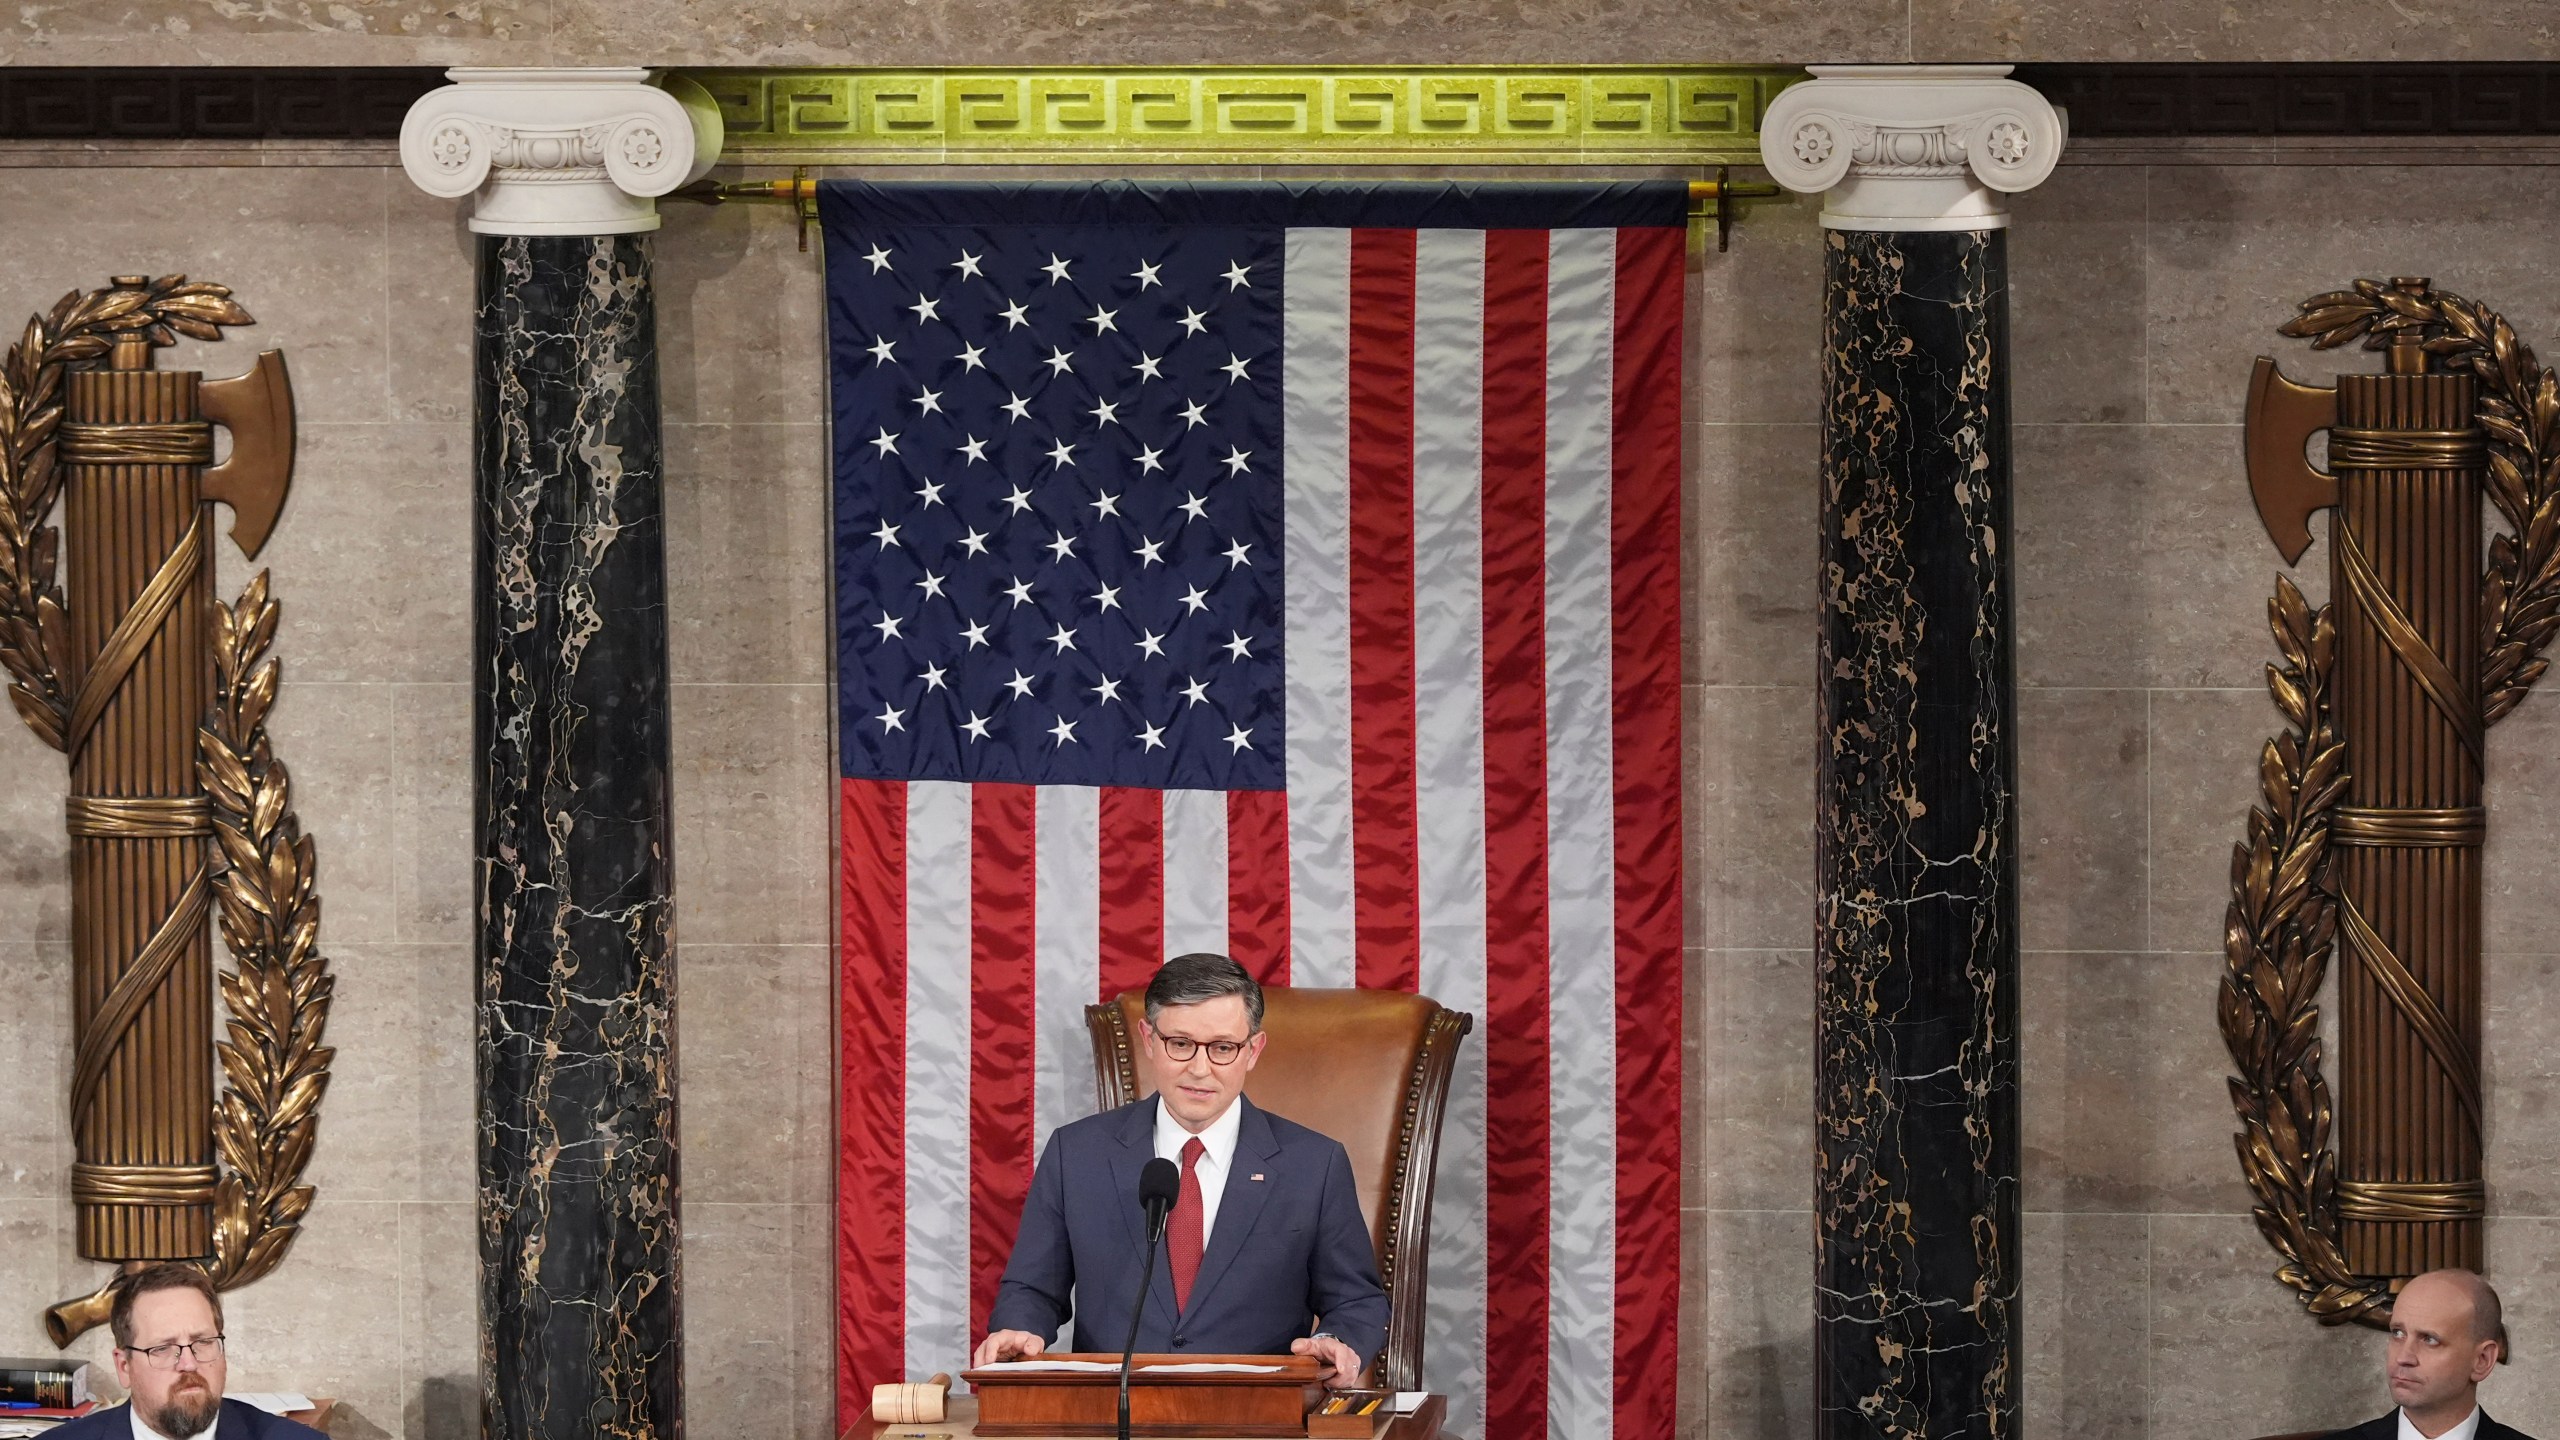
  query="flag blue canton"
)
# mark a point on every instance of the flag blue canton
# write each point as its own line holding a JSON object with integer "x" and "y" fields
{"x": 1058, "y": 506}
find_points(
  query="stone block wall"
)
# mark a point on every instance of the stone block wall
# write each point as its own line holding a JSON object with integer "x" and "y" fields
{"x": 2146, "y": 279}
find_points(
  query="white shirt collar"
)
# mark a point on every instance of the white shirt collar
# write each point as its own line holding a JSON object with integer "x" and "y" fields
{"x": 1217, "y": 1150}
{"x": 2467, "y": 1428}
{"x": 1217, "y": 1143}
{"x": 145, "y": 1432}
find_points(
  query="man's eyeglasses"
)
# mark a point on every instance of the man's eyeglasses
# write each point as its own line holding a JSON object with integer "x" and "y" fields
{"x": 1180, "y": 1049}
{"x": 165, "y": 1357}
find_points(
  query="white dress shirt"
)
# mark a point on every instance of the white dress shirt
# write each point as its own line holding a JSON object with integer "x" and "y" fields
{"x": 1217, "y": 1149}
{"x": 145, "y": 1432}
{"x": 2469, "y": 1427}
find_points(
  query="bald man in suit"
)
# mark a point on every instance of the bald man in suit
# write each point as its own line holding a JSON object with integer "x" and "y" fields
{"x": 2448, "y": 1332}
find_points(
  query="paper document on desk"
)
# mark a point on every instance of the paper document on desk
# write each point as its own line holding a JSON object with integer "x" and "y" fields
{"x": 274, "y": 1402}
{"x": 1408, "y": 1401}
{"x": 1082, "y": 1366}
{"x": 1210, "y": 1367}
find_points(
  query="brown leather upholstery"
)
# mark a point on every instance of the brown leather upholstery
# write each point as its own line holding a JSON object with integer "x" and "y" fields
{"x": 1369, "y": 1068}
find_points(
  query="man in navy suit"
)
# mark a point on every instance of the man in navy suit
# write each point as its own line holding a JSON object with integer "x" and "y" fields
{"x": 1265, "y": 1252}
{"x": 2447, "y": 1333}
{"x": 168, "y": 1327}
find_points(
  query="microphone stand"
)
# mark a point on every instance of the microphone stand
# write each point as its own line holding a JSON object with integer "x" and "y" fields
{"x": 1129, "y": 1347}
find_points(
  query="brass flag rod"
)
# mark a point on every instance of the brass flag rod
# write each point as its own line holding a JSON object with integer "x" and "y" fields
{"x": 1706, "y": 197}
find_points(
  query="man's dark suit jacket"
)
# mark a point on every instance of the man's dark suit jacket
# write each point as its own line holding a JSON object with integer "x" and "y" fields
{"x": 1288, "y": 1245}
{"x": 238, "y": 1422}
{"x": 2388, "y": 1428}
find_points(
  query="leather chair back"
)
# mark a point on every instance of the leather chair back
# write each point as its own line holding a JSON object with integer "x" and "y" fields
{"x": 1369, "y": 1068}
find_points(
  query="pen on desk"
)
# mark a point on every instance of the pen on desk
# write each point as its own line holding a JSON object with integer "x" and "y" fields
{"x": 1372, "y": 1407}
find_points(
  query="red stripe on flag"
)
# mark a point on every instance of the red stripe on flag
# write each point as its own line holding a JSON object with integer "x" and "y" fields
{"x": 1003, "y": 984}
{"x": 1645, "y": 666}
{"x": 871, "y": 1109}
{"x": 1258, "y": 883}
{"x": 1132, "y": 910}
{"x": 1386, "y": 872}
{"x": 1515, "y": 802}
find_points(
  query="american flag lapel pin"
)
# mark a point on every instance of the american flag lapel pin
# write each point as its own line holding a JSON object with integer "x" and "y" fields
{"x": 1257, "y": 1177}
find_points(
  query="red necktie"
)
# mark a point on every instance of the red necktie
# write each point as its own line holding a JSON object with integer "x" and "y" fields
{"x": 1182, "y": 1241}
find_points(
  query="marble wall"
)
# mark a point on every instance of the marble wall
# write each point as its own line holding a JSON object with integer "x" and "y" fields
{"x": 2145, "y": 279}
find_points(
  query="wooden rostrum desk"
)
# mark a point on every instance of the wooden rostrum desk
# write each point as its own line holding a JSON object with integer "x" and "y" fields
{"x": 1040, "y": 1404}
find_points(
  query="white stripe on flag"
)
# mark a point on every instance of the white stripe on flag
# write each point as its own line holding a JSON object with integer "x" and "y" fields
{"x": 1067, "y": 941}
{"x": 1582, "y": 993}
{"x": 937, "y": 1042}
{"x": 1448, "y": 551}
{"x": 1316, "y": 459}
{"x": 1195, "y": 872}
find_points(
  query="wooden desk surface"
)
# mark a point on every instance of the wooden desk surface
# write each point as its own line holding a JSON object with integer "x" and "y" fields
{"x": 961, "y": 1424}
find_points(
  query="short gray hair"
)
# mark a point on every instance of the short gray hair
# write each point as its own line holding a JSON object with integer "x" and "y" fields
{"x": 1199, "y": 978}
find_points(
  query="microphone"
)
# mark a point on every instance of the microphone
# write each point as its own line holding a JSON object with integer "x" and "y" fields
{"x": 1159, "y": 1185}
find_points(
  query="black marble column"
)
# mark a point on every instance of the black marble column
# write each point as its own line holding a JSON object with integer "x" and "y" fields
{"x": 1916, "y": 990}
{"x": 578, "y": 1232}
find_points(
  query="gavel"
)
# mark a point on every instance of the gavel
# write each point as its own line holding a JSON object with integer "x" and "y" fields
{"x": 910, "y": 1404}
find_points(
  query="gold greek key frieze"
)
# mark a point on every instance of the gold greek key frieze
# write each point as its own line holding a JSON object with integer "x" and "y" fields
{"x": 1593, "y": 114}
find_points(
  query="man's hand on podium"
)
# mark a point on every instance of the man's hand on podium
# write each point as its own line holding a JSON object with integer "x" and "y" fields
{"x": 1005, "y": 1345}
{"x": 1344, "y": 1360}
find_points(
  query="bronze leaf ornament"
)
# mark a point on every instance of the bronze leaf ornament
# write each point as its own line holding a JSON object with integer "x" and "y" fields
{"x": 180, "y": 815}
{"x": 2365, "y": 838}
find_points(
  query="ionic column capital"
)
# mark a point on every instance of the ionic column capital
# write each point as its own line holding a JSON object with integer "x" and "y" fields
{"x": 559, "y": 152}
{"x": 1912, "y": 147}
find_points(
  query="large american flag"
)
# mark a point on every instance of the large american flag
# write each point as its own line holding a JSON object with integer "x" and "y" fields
{"x": 1291, "y": 572}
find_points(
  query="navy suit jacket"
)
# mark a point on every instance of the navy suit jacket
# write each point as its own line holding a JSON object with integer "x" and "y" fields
{"x": 1287, "y": 1248}
{"x": 2388, "y": 1428}
{"x": 238, "y": 1422}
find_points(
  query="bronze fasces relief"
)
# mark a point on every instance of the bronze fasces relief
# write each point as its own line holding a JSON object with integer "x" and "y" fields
{"x": 180, "y": 816}
{"x": 2366, "y": 838}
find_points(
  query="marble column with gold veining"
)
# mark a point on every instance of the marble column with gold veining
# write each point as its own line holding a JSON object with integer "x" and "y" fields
{"x": 1916, "y": 1303}
{"x": 579, "y": 1236}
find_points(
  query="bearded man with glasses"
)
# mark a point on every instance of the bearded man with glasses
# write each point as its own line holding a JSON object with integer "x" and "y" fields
{"x": 169, "y": 1358}
{"x": 1266, "y": 1251}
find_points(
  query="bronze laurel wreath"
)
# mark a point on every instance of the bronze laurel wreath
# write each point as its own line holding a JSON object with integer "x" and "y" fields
{"x": 277, "y": 996}
{"x": 273, "y": 1064}
{"x": 2280, "y": 926}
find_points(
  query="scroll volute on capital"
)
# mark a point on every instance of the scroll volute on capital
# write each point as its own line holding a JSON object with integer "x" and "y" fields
{"x": 2281, "y": 419}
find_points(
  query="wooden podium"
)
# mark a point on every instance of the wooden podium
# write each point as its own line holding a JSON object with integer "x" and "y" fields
{"x": 1271, "y": 1400}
